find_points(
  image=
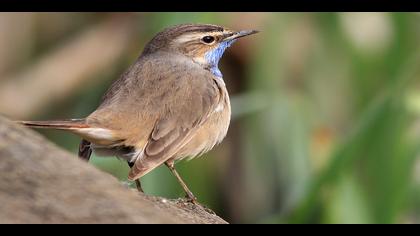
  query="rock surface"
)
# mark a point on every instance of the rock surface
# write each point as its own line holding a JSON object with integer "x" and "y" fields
{"x": 40, "y": 183}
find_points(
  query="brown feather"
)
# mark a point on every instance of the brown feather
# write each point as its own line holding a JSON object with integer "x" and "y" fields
{"x": 94, "y": 134}
{"x": 169, "y": 98}
{"x": 56, "y": 124}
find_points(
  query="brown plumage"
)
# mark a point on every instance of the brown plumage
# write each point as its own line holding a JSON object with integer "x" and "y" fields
{"x": 170, "y": 104}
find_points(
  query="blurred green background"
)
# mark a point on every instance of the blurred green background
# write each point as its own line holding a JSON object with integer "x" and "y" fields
{"x": 326, "y": 107}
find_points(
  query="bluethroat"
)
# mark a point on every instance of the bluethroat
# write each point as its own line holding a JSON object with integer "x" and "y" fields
{"x": 172, "y": 103}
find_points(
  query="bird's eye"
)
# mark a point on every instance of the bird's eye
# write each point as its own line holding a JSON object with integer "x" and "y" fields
{"x": 208, "y": 39}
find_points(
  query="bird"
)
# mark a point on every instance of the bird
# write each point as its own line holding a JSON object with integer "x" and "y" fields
{"x": 170, "y": 104}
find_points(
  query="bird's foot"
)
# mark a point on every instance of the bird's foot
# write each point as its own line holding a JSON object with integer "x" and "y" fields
{"x": 192, "y": 199}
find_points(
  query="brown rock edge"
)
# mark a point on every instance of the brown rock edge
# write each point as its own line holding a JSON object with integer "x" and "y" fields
{"x": 40, "y": 183}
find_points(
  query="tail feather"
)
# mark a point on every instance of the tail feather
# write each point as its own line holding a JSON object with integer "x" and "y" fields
{"x": 97, "y": 135}
{"x": 56, "y": 124}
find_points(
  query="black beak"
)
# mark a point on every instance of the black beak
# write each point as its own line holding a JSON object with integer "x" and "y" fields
{"x": 240, "y": 34}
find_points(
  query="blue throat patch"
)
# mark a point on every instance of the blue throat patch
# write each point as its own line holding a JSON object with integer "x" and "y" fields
{"x": 213, "y": 57}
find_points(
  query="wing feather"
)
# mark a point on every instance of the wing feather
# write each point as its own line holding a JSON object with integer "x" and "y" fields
{"x": 157, "y": 106}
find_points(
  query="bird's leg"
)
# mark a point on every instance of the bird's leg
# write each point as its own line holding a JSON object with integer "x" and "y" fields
{"x": 137, "y": 181}
{"x": 138, "y": 185}
{"x": 84, "y": 150}
{"x": 190, "y": 195}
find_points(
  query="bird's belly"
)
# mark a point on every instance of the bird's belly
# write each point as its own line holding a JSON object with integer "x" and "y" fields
{"x": 211, "y": 133}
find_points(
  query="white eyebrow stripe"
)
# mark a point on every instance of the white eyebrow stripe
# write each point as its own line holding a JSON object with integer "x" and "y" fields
{"x": 193, "y": 36}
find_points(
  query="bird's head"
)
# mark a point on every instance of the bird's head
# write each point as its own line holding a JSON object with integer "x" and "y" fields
{"x": 203, "y": 43}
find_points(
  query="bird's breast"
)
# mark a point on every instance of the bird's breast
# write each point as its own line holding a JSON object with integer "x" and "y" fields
{"x": 211, "y": 132}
